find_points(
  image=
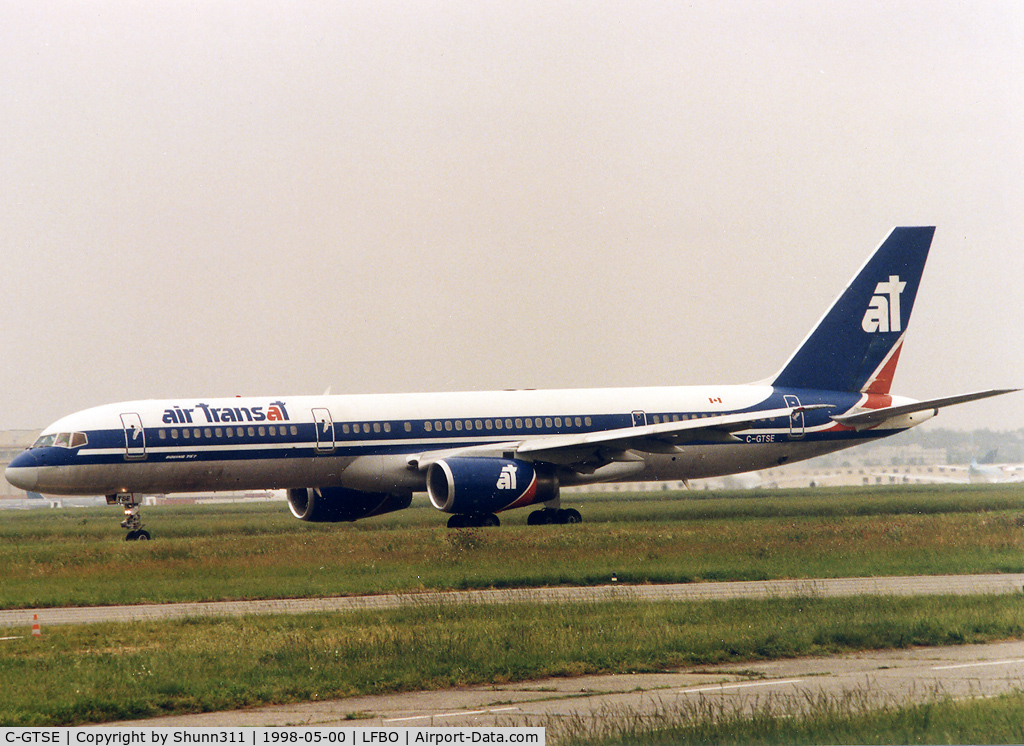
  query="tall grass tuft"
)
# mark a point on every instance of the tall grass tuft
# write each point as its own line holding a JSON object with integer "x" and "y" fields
{"x": 852, "y": 718}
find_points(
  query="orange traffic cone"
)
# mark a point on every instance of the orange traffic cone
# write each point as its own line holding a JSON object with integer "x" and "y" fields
{"x": 36, "y": 631}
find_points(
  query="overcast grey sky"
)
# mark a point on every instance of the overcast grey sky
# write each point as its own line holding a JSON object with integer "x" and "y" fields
{"x": 219, "y": 198}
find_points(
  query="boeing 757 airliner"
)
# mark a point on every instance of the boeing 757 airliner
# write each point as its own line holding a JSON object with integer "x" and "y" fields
{"x": 476, "y": 454}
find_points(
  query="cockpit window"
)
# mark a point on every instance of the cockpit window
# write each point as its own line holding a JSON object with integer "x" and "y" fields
{"x": 61, "y": 440}
{"x": 45, "y": 441}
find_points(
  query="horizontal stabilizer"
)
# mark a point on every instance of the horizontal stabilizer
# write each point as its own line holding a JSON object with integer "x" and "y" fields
{"x": 876, "y": 416}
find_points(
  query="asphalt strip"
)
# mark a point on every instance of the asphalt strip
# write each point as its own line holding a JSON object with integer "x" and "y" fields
{"x": 918, "y": 585}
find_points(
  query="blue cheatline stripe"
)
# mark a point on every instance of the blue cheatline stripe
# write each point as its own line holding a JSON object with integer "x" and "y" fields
{"x": 107, "y": 446}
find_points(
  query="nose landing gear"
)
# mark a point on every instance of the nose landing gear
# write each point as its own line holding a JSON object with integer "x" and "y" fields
{"x": 132, "y": 520}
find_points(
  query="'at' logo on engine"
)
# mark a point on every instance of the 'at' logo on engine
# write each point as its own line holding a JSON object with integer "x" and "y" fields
{"x": 883, "y": 314}
{"x": 507, "y": 478}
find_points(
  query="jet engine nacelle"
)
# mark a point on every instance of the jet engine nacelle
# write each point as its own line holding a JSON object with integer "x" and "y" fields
{"x": 488, "y": 485}
{"x": 335, "y": 504}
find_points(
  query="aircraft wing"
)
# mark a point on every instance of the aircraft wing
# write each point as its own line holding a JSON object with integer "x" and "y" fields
{"x": 585, "y": 451}
{"x": 660, "y": 438}
{"x": 877, "y": 416}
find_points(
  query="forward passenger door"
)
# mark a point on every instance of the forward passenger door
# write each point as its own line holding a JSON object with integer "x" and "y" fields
{"x": 134, "y": 436}
{"x": 324, "y": 430}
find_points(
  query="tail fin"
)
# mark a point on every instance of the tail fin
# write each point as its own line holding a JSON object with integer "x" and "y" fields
{"x": 857, "y": 343}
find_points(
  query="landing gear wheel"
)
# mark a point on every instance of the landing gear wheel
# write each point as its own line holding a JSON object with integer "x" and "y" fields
{"x": 541, "y": 517}
{"x": 139, "y": 535}
{"x": 551, "y": 516}
{"x": 473, "y": 520}
{"x": 571, "y": 515}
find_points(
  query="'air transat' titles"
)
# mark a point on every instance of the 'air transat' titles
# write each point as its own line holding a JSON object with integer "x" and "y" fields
{"x": 273, "y": 412}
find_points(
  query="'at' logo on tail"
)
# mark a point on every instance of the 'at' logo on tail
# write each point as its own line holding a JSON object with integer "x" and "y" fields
{"x": 883, "y": 315}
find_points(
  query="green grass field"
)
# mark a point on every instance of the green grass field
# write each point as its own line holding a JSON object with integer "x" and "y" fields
{"x": 95, "y": 673}
{"x": 78, "y": 557}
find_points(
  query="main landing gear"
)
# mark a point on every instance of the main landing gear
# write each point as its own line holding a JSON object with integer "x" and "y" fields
{"x": 552, "y": 516}
{"x": 473, "y": 520}
{"x": 132, "y": 520}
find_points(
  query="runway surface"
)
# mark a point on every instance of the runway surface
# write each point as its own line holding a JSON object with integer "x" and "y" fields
{"x": 918, "y": 585}
{"x": 872, "y": 678}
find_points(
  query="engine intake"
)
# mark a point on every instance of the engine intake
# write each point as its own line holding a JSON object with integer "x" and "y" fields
{"x": 488, "y": 485}
{"x": 336, "y": 504}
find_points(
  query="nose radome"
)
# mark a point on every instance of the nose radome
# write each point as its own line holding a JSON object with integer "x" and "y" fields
{"x": 23, "y": 471}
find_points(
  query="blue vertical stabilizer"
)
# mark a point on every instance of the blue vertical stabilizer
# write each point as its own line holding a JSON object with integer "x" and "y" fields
{"x": 856, "y": 344}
